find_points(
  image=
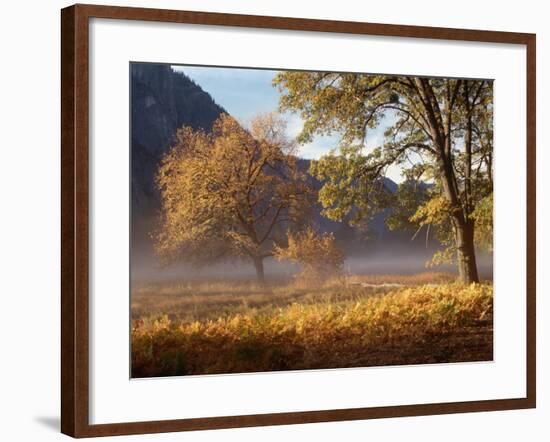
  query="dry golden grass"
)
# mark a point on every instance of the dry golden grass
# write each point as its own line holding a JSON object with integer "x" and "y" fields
{"x": 202, "y": 300}
{"x": 414, "y": 279}
{"x": 283, "y": 328}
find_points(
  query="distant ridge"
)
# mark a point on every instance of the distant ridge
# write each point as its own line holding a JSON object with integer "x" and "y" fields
{"x": 164, "y": 100}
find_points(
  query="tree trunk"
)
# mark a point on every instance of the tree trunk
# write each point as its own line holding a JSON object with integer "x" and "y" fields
{"x": 259, "y": 265}
{"x": 465, "y": 252}
{"x": 463, "y": 228}
{"x": 440, "y": 132}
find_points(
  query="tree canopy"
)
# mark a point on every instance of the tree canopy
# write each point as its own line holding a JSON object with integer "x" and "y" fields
{"x": 439, "y": 132}
{"x": 233, "y": 192}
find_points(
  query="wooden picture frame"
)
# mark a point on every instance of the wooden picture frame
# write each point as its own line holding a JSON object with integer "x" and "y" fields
{"x": 75, "y": 218}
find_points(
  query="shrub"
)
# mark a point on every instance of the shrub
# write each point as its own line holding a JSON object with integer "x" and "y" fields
{"x": 317, "y": 254}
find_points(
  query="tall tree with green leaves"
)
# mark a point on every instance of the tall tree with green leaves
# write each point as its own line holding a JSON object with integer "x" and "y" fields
{"x": 440, "y": 133}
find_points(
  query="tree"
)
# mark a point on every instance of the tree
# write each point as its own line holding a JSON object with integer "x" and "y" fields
{"x": 440, "y": 132}
{"x": 229, "y": 193}
{"x": 317, "y": 254}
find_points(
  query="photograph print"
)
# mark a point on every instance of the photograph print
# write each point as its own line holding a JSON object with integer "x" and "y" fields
{"x": 300, "y": 220}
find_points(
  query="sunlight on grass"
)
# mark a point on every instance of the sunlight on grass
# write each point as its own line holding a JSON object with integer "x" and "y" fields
{"x": 337, "y": 325}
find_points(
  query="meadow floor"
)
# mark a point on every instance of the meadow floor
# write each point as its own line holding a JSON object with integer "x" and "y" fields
{"x": 212, "y": 327}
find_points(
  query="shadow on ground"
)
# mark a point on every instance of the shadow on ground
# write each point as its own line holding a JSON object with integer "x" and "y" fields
{"x": 50, "y": 422}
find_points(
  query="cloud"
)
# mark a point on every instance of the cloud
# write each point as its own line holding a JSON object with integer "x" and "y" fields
{"x": 294, "y": 124}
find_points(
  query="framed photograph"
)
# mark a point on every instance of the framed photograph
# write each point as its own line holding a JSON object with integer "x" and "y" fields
{"x": 273, "y": 221}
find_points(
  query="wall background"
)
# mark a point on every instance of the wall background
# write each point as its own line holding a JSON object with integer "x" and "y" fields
{"x": 29, "y": 220}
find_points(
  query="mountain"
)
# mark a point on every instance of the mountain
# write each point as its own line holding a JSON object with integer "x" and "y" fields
{"x": 162, "y": 101}
{"x": 371, "y": 236}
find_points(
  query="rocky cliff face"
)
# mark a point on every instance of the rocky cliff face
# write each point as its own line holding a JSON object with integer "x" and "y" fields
{"x": 162, "y": 102}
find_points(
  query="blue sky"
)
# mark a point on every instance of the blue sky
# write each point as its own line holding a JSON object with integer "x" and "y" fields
{"x": 246, "y": 92}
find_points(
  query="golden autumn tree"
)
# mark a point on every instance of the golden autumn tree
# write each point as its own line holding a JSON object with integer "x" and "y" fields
{"x": 233, "y": 192}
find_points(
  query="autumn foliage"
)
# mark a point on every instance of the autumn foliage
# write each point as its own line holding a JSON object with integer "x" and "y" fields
{"x": 422, "y": 324}
{"x": 240, "y": 192}
{"x": 317, "y": 254}
{"x": 233, "y": 192}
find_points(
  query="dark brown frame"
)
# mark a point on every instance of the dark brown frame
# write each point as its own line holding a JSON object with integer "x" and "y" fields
{"x": 74, "y": 219}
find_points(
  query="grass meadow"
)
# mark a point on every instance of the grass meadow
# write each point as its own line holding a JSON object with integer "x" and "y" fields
{"x": 199, "y": 327}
